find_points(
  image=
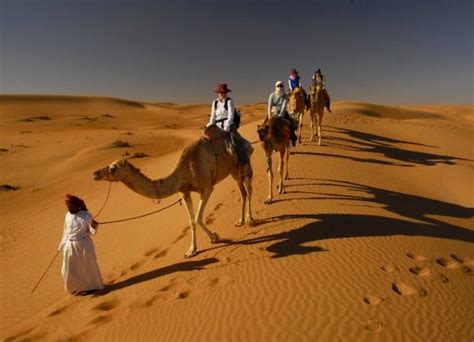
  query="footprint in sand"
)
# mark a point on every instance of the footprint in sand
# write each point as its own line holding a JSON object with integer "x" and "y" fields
{"x": 404, "y": 289}
{"x": 461, "y": 263}
{"x": 56, "y": 312}
{"x": 152, "y": 300}
{"x": 420, "y": 271}
{"x": 209, "y": 220}
{"x": 150, "y": 252}
{"x": 389, "y": 268}
{"x": 373, "y": 300}
{"x": 105, "y": 306}
{"x": 160, "y": 254}
{"x": 99, "y": 320}
{"x": 416, "y": 257}
{"x": 170, "y": 286}
{"x": 443, "y": 278}
{"x": 217, "y": 206}
{"x": 182, "y": 235}
{"x": 136, "y": 265}
{"x": 374, "y": 325}
{"x": 463, "y": 260}
{"x": 448, "y": 263}
{"x": 181, "y": 294}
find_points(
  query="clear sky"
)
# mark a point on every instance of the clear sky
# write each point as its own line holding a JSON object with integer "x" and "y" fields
{"x": 408, "y": 51}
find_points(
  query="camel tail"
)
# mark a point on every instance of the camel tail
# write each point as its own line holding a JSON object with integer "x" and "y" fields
{"x": 246, "y": 172}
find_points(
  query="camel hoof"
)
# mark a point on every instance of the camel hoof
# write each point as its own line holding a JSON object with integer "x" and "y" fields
{"x": 239, "y": 223}
{"x": 251, "y": 222}
{"x": 214, "y": 237}
{"x": 268, "y": 201}
{"x": 281, "y": 190}
{"x": 190, "y": 253}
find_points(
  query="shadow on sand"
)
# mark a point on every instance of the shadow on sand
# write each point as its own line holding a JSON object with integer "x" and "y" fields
{"x": 334, "y": 226}
{"x": 380, "y": 146}
{"x": 180, "y": 267}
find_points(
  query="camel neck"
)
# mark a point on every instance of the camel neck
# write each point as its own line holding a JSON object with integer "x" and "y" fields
{"x": 147, "y": 187}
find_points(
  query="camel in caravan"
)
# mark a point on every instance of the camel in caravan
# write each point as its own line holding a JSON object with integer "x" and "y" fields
{"x": 318, "y": 102}
{"x": 201, "y": 166}
{"x": 295, "y": 108}
{"x": 274, "y": 135}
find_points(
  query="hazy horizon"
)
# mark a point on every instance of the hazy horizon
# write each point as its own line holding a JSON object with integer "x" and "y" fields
{"x": 155, "y": 51}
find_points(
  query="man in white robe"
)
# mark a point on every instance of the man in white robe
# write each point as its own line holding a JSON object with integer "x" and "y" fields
{"x": 80, "y": 270}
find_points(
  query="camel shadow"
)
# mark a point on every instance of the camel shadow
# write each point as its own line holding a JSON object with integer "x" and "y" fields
{"x": 417, "y": 220}
{"x": 384, "y": 147}
{"x": 180, "y": 267}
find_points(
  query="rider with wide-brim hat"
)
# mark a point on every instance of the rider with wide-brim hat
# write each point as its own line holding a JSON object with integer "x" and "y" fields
{"x": 227, "y": 118}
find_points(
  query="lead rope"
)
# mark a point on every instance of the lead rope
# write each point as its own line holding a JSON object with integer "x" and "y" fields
{"x": 106, "y": 200}
{"x": 148, "y": 214}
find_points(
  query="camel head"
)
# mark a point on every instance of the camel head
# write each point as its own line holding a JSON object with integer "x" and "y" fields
{"x": 115, "y": 172}
{"x": 263, "y": 131}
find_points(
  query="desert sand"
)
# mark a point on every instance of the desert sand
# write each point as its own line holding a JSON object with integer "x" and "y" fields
{"x": 373, "y": 239}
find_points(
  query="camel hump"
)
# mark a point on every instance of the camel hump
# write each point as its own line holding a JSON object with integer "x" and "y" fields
{"x": 212, "y": 132}
{"x": 279, "y": 129}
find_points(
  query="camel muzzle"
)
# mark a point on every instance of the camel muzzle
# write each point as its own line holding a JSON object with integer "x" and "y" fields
{"x": 98, "y": 175}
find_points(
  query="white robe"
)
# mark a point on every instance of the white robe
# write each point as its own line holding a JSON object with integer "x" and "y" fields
{"x": 80, "y": 270}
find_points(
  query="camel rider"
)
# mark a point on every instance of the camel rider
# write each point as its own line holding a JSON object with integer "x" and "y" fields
{"x": 225, "y": 116}
{"x": 318, "y": 81}
{"x": 277, "y": 102}
{"x": 294, "y": 81}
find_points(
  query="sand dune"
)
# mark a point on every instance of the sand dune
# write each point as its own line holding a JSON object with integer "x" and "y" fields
{"x": 372, "y": 241}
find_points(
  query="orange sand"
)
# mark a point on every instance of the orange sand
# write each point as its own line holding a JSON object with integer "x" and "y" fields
{"x": 372, "y": 241}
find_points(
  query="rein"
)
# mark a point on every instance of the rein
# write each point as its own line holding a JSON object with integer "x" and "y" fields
{"x": 106, "y": 200}
{"x": 148, "y": 214}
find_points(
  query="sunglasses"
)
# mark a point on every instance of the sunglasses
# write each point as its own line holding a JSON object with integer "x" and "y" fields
{"x": 280, "y": 86}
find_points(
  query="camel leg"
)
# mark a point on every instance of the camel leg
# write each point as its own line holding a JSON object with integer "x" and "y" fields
{"x": 248, "y": 187}
{"x": 239, "y": 176}
{"x": 300, "y": 127}
{"x": 281, "y": 168}
{"x": 313, "y": 124}
{"x": 287, "y": 157}
{"x": 320, "y": 122}
{"x": 188, "y": 202}
{"x": 213, "y": 237}
{"x": 243, "y": 203}
{"x": 270, "y": 179}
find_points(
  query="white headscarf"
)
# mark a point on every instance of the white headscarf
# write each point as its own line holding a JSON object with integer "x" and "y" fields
{"x": 279, "y": 91}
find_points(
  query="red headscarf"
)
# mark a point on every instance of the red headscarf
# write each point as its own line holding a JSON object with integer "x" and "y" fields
{"x": 79, "y": 203}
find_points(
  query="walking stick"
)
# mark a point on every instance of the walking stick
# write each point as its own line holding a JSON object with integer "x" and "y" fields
{"x": 51, "y": 263}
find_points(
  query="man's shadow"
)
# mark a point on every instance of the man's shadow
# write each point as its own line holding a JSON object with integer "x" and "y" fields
{"x": 185, "y": 266}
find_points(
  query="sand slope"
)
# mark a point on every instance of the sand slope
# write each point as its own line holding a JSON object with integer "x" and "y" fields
{"x": 372, "y": 241}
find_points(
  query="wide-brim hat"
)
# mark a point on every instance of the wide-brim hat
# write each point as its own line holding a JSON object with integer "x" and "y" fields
{"x": 222, "y": 88}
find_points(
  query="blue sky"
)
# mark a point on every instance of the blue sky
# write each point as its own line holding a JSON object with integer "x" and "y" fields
{"x": 376, "y": 51}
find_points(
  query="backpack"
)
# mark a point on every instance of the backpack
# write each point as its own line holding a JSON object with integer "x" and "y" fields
{"x": 236, "y": 121}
